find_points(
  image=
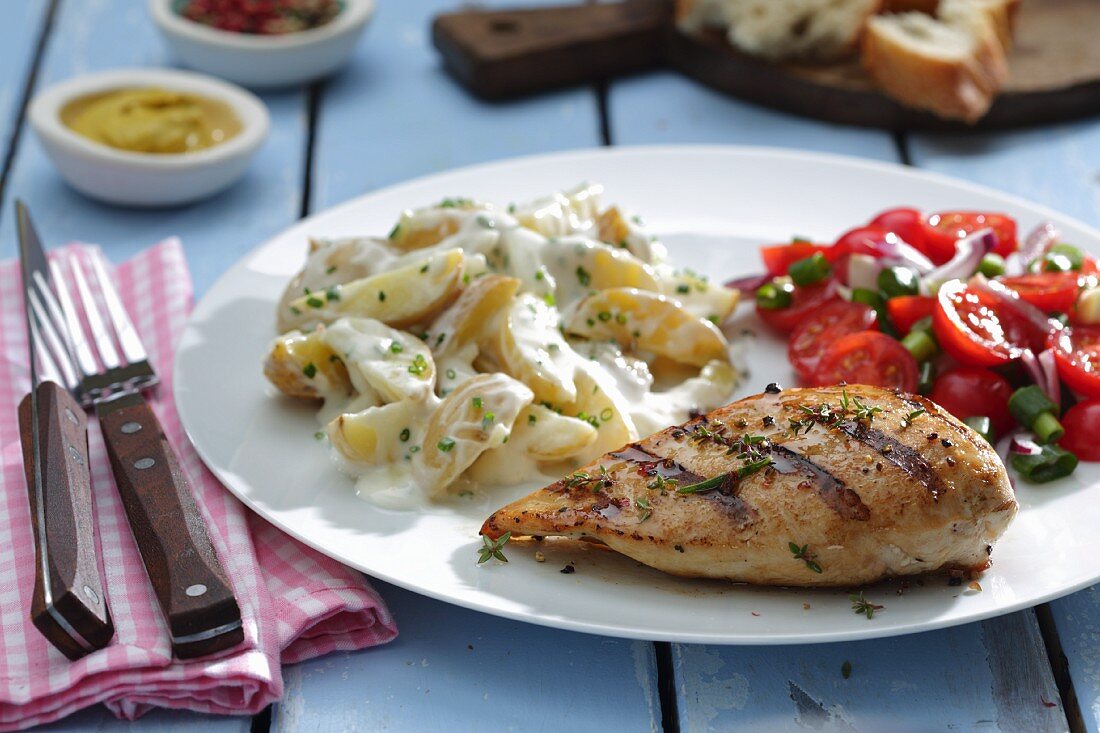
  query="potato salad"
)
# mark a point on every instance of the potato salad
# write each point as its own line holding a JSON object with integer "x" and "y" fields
{"x": 477, "y": 346}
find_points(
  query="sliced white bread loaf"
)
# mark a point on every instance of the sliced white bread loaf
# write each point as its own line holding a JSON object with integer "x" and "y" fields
{"x": 952, "y": 65}
{"x": 808, "y": 30}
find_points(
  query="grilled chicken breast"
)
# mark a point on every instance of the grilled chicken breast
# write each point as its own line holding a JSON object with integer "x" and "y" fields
{"x": 834, "y": 486}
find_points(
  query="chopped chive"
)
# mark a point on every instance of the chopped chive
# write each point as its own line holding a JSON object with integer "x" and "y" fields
{"x": 445, "y": 445}
{"x": 774, "y": 296}
{"x": 310, "y": 370}
{"x": 405, "y": 434}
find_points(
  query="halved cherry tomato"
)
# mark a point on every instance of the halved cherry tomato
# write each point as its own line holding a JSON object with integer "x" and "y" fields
{"x": 804, "y": 301}
{"x": 970, "y": 391}
{"x": 778, "y": 258}
{"x": 854, "y": 241}
{"x": 905, "y": 222}
{"x": 1077, "y": 353}
{"x": 824, "y": 326}
{"x": 1048, "y": 291}
{"x": 1082, "y": 424}
{"x": 970, "y": 327}
{"x": 868, "y": 357}
{"x": 905, "y": 310}
{"x": 942, "y": 230}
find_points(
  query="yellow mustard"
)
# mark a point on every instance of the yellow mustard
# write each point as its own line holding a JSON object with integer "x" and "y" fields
{"x": 152, "y": 120}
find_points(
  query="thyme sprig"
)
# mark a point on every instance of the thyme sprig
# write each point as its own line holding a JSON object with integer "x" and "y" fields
{"x": 493, "y": 548}
{"x": 862, "y": 606}
{"x": 585, "y": 480}
{"x": 850, "y": 407}
{"x": 803, "y": 553}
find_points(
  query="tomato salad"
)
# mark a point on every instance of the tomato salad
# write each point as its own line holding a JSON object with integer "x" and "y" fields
{"x": 1002, "y": 333}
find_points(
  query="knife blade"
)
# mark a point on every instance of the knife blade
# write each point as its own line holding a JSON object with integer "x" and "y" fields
{"x": 68, "y": 605}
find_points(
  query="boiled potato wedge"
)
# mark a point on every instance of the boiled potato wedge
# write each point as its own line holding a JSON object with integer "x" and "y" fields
{"x": 640, "y": 320}
{"x": 530, "y": 348}
{"x": 305, "y": 366}
{"x": 393, "y": 364}
{"x": 474, "y": 316}
{"x": 476, "y": 416}
{"x": 401, "y": 298}
{"x": 373, "y": 435}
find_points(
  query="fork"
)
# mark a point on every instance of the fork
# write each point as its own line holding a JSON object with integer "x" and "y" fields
{"x": 188, "y": 580}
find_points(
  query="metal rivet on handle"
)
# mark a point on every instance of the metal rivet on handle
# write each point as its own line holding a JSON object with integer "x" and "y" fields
{"x": 195, "y": 590}
{"x": 130, "y": 427}
{"x": 71, "y": 416}
{"x": 75, "y": 454}
{"x": 92, "y": 596}
{"x": 142, "y": 463}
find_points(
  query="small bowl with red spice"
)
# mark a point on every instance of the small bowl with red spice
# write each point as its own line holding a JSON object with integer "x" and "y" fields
{"x": 263, "y": 43}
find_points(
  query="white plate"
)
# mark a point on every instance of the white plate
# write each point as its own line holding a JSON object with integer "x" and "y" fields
{"x": 711, "y": 206}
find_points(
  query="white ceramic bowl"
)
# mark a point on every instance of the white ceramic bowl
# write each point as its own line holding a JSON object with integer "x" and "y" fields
{"x": 264, "y": 61}
{"x": 147, "y": 179}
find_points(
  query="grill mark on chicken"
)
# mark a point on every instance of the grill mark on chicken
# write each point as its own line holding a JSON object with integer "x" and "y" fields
{"x": 834, "y": 492}
{"x": 894, "y": 451}
{"x": 727, "y": 497}
{"x": 651, "y": 464}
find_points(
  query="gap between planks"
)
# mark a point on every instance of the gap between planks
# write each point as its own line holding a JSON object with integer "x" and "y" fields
{"x": 25, "y": 95}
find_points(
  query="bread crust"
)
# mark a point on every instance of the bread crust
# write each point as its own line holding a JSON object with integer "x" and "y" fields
{"x": 954, "y": 88}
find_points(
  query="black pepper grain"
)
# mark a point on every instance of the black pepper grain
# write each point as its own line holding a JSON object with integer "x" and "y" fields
{"x": 773, "y": 388}
{"x": 768, "y": 421}
{"x": 568, "y": 570}
{"x": 933, "y": 436}
{"x": 678, "y": 548}
{"x": 951, "y": 461}
{"x": 946, "y": 443}
{"x": 878, "y": 466}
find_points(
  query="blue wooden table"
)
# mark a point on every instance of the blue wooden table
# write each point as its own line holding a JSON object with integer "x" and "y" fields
{"x": 393, "y": 115}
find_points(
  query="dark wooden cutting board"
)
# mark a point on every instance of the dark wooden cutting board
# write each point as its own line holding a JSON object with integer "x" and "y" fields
{"x": 508, "y": 53}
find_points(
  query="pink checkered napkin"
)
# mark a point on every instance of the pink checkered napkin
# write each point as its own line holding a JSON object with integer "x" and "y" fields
{"x": 296, "y": 604}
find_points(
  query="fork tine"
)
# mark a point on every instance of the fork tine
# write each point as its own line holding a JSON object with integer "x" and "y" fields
{"x": 78, "y": 341}
{"x": 120, "y": 320}
{"x": 55, "y": 349}
{"x": 104, "y": 345}
{"x": 47, "y": 368}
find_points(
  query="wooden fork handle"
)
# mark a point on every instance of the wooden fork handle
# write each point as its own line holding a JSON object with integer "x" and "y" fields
{"x": 505, "y": 53}
{"x": 68, "y": 606}
{"x": 188, "y": 580}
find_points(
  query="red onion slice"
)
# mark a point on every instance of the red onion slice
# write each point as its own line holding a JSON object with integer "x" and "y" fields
{"x": 969, "y": 252}
{"x": 893, "y": 250}
{"x": 1024, "y": 443}
{"x": 748, "y": 284}
{"x": 1036, "y": 244}
{"x": 1053, "y": 386}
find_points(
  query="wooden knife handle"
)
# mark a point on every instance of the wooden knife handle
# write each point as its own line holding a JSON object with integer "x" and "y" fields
{"x": 506, "y": 53}
{"x": 69, "y": 606}
{"x": 190, "y": 585}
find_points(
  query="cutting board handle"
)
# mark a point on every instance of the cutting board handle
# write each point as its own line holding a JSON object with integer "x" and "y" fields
{"x": 507, "y": 53}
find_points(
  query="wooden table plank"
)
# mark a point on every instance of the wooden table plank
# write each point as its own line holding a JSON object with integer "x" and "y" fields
{"x": 1057, "y": 166}
{"x": 666, "y": 108}
{"x": 216, "y": 232}
{"x": 118, "y": 33}
{"x": 454, "y": 669}
{"x": 924, "y": 682}
{"x": 394, "y": 115}
{"x": 966, "y": 677}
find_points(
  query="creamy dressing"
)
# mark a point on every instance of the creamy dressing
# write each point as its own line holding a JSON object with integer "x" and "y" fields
{"x": 421, "y": 424}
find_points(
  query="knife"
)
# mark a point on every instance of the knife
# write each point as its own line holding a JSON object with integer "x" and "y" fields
{"x": 68, "y": 606}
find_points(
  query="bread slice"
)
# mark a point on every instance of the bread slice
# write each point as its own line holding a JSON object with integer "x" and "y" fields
{"x": 807, "y": 30}
{"x": 952, "y": 65}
